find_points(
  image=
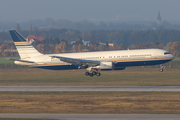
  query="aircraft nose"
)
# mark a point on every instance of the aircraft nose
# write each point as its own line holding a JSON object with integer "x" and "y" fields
{"x": 172, "y": 56}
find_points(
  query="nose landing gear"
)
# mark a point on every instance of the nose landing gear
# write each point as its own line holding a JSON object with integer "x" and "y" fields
{"x": 161, "y": 68}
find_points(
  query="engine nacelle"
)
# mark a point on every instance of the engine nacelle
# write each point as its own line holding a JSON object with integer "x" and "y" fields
{"x": 106, "y": 66}
{"x": 111, "y": 66}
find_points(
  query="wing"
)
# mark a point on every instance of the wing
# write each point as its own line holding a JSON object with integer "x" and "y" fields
{"x": 81, "y": 62}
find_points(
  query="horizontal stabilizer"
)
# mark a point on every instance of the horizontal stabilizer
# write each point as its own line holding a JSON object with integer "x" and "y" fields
{"x": 22, "y": 60}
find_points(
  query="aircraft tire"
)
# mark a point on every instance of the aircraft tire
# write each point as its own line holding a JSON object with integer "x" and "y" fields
{"x": 98, "y": 74}
{"x": 91, "y": 74}
{"x": 94, "y": 72}
{"x": 86, "y": 73}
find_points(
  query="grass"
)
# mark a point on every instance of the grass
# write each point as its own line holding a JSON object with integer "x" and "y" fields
{"x": 5, "y": 60}
{"x": 176, "y": 59}
{"x": 131, "y": 76}
{"x": 90, "y": 102}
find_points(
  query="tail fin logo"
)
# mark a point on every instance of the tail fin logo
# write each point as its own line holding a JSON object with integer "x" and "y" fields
{"x": 16, "y": 36}
{"x": 25, "y": 49}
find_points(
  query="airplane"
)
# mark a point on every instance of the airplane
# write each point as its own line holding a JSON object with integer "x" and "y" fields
{"x": 93, "y": 62}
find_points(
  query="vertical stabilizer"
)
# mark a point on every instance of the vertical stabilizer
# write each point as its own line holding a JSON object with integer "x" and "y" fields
{"x": 25, "y": 49}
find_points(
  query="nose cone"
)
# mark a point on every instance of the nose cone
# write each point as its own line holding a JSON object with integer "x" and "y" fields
{"x": 172, "y": 56}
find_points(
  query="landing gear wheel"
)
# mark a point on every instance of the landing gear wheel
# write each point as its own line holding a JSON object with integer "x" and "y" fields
{"x": 161, "y": 68}
{"x": 98, "y": 74}
{"x": 91, "y": 74}
{"x": 94, "y": 72}
{"x": 86, "y": 73}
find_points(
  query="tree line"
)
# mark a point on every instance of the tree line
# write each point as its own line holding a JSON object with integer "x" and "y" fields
{"x": 63, "y": 46}
{"x": 59, "y": 41}
{"x": 128, "y": 37}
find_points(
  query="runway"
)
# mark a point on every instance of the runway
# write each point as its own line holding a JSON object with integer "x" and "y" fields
{"x": 90, "y": 88}
{"x": 92, "y": 116}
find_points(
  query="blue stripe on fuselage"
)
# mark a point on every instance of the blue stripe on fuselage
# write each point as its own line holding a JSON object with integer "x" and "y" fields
{"x": 142, "y": 63}
{"x": 58, "y": 67}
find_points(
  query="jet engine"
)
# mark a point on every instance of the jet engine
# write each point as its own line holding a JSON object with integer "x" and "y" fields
{"x": 106, "y": 66}
{"x": 111, "y": 66}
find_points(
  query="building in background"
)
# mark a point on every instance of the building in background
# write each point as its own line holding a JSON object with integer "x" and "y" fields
{"x": 158, "y": 19}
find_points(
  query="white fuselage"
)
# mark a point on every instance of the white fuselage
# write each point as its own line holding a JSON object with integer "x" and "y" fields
{"x": 121, "y": 57}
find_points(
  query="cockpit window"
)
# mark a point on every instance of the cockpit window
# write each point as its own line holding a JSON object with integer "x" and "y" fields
{"x": 166, "y": 53}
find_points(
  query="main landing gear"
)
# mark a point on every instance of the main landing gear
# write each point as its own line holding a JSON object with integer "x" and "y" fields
{"x": 92, "y": 72}
{"x": 161, "y": 68}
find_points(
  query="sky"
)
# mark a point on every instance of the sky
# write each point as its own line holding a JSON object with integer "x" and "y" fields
{"x": 95, "y": 10}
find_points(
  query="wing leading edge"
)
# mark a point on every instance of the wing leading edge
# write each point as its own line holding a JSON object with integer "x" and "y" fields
{"x": 81, "y": 62}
